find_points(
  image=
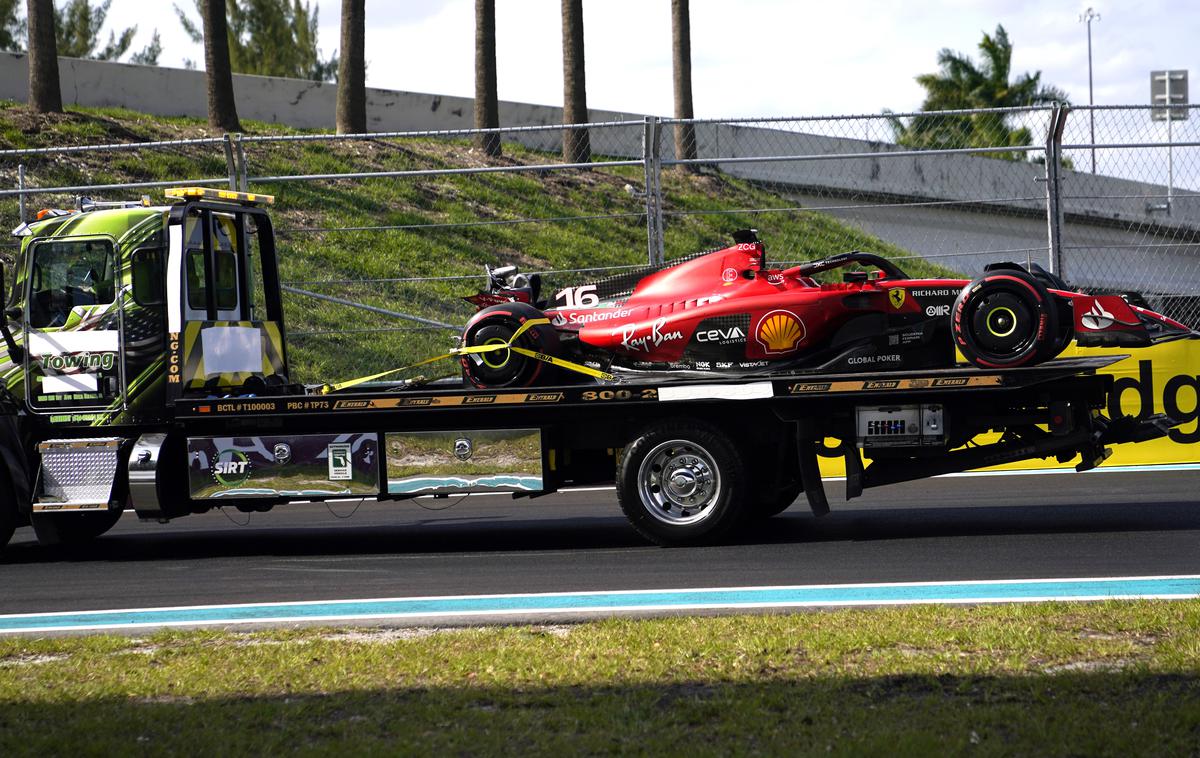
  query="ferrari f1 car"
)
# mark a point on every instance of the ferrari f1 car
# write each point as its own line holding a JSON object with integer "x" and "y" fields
{"x": 728, "y": 311}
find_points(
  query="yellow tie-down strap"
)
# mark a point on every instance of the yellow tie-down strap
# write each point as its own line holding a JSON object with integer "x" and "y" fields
{"x": 457, "y": 352}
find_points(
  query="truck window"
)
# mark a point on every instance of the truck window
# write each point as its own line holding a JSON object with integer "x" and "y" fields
{"x": 66, "y": 275}
{"x": 226, "y": 280}
{"x": 225, "y": 255}
{"x": 258, "y": 296}
{"x": 147, "y": 267}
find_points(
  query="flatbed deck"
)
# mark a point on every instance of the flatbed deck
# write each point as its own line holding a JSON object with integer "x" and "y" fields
{"x": 653, "y": 388}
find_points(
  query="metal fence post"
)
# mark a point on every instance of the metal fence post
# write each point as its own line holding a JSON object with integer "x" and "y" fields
{"x": 1054, "y": 212}
{"x": 21, "y": 186}
{"x": 230, "y": 163}
{"x": 652, "y": 159}
{"x": 242, "y": 171}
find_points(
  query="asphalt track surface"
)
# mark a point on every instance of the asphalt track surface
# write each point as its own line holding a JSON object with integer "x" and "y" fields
{"x": 948, "y": 529}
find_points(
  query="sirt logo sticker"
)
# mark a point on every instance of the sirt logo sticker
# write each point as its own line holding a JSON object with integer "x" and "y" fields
{"x": 232, "y": 472}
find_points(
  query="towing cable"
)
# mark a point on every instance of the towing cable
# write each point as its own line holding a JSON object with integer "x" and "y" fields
{"x": 563, "y": 363}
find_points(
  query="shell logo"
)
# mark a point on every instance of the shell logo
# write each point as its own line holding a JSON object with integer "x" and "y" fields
{"x": 779, "y": 332}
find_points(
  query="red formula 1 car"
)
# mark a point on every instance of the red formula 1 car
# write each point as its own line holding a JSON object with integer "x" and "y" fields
{"x": 726, "y": 311}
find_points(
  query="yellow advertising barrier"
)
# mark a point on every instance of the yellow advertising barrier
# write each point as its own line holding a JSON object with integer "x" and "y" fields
{"x": 1160, "y": 379}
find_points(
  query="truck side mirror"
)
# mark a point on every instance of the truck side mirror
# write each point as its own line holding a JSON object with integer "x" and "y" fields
{"x": 15, "y": 352}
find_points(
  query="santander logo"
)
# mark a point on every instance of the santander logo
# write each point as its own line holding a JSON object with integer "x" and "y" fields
{"x": 1097, "y": 318}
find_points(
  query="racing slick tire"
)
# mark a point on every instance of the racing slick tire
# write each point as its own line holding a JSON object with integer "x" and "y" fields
{"x": 1005, "y": 319}
{"x": 682, "y": 483}
{"x": 72, "y": 529}
{"x": 495, "y": 325}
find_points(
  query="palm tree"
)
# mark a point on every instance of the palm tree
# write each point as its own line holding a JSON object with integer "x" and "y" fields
{"x": 222, "y": 111}
{"x": 577, "y": 147}
{"x": 962, "y": 84}
{"x": 487, "y": 109}
{"x": 352, "y": 70}
{"x": 45, "y": 95}
{"x": 681, "y": 45}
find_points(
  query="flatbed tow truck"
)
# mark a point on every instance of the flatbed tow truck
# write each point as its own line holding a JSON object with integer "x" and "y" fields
{"x": 148, "y": 371}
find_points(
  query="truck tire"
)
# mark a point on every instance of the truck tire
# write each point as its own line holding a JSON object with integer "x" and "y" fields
{"x": 69, "y": 529}
{"x": 682, "y": 483}
{"x": 1006, "y": 319}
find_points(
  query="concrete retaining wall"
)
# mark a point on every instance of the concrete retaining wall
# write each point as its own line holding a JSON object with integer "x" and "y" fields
{"x": 296, "y": 102}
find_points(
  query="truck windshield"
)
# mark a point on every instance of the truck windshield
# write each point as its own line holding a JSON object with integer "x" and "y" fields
{"x": 66, "y": 278}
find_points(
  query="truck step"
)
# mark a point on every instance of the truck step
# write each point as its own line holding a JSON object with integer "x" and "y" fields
{"x": 77, "y": 474}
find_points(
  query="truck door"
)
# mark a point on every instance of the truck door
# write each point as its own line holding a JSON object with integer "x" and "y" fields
{"x": 226, "y": 323}
{"x": 73, "y": 325}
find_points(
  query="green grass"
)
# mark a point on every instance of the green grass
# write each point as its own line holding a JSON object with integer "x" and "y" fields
{"x": 697, "y": 206}
{"x": 1119, "y": 678}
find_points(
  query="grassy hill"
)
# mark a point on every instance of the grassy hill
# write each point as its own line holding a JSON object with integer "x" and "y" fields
{"x": 441, "y": 226}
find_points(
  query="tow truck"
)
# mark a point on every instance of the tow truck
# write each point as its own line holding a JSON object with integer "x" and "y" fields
{"x": 146, "y": 369}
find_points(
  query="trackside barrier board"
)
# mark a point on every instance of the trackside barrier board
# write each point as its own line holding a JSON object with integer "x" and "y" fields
{"x": 1160, "y": 379}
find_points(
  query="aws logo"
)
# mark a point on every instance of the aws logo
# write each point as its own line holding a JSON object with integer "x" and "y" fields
{"x": 232, "y": 472}
{"x": 779, "y": 332}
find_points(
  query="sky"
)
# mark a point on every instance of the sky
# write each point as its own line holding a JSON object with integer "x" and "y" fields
{"x": 749, "y": 57}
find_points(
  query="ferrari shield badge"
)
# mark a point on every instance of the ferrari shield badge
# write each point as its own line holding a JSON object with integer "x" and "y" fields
{"x": 896, "y": 297}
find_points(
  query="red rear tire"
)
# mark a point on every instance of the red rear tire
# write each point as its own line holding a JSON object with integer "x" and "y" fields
{"x": 1004, "y": 320}
{"x": 502, "y": 368}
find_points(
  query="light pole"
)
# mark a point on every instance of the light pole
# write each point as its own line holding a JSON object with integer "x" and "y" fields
{"x": 1088, "y": 17}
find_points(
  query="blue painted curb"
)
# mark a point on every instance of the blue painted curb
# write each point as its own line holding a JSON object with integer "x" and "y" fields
{"x": 599, "y": 603}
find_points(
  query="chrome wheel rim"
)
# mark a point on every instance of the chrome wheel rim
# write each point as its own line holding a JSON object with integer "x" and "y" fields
{"x": 679, "y": 482}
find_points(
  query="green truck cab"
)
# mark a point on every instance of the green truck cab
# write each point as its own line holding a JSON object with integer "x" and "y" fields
{"x": 117, "y": 310}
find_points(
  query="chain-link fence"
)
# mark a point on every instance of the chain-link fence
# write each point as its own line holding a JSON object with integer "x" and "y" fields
{"x": 382, "y": 234}
{"x": 957, "y": 188}
{"x": 1131, "y": 212}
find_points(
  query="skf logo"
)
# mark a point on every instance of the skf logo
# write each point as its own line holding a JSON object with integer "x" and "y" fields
{"x": 896, "y": 297}
{"x": 779, "y": 332}
{"x": 234, "y": 470}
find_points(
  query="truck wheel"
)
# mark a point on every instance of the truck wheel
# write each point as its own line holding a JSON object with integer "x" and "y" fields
{"x": 1004, "y": 320}
{"x": 505, "y": 368}
{"x": 72, "y": 528}
{"x": 682, "y": 483}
